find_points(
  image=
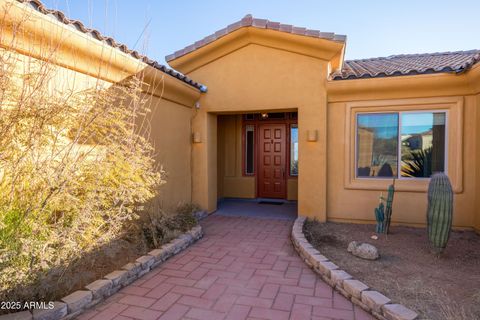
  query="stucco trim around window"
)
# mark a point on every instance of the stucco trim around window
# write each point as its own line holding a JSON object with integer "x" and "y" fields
{"x": 454, "y": 136}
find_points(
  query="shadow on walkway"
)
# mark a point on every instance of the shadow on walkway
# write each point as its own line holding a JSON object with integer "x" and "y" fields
{"x": 254, "y": 208}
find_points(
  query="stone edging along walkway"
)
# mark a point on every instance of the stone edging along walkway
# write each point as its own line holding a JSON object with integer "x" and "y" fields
{"x": 358, "y": 292}
{"x": 75, "y": 303}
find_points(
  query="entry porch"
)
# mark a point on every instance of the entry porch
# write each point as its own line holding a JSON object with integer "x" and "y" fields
{"x": 257, "y": 156}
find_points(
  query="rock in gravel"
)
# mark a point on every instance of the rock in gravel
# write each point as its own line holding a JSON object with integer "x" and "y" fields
{"x": 363, "y": 250}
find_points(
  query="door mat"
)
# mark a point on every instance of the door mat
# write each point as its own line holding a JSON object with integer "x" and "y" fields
{"x": 270, "y": 202}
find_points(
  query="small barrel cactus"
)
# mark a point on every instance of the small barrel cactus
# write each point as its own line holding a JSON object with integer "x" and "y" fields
{"x": 440, "y": 211}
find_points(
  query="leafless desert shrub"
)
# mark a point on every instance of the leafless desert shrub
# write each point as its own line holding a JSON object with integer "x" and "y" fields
{"x": 160, "y": 227}
{"x": 449, "y": 311}
{"x": 74, "y": 166}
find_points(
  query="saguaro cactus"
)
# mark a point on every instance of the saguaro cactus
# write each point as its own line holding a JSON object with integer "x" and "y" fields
{"x": 440, "y": 211}
{"x": 388, "y": 208}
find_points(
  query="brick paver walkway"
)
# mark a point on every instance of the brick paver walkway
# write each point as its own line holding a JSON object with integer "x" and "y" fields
{"x": 243, "y": 268}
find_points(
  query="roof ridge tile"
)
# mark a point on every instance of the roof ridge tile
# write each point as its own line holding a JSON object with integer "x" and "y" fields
{"x": 259, "y": 23}
{"x": 399, "y": 64}
{"x": 250, "y": 21}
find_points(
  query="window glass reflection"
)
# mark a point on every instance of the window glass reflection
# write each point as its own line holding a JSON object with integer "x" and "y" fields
{"x": 377, "y": 145}
{"x": 249, "y": 149}
{"x": 423, "y": 144}
{"x": 294, "y": 150}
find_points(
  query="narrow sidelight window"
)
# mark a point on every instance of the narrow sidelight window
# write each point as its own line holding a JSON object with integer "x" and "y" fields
{"x": 249, "y": 149}
{"x": 294, "y": 150}
{"x": 402, "y": 144}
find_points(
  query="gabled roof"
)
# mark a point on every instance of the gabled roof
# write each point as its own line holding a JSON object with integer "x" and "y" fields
{"x": 395, "y": 65}
{"x": 95, "y": 34}
{"x": 250, "y": 21}
{"x": 408, "y": 64}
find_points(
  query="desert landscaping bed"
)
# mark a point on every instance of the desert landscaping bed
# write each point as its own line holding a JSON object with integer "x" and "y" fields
{"x": 163, "y": 232}
{"x": 76, "y": 302}
{"x": 445, "y": 287}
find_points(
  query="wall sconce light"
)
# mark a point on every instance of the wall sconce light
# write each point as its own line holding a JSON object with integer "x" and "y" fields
{"x": 264, "y": 115}
{"x": 312, "y": 135}
{"x": 197, "y": 137}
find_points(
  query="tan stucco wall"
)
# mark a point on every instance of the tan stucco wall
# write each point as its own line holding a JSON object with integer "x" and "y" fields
{"x": 171, "y": 138}
{"x": 459, "y": 93}
{"x": 264, "y": 70}
{"x": 292, "y": 189}
{"x": 477, "y": 165}
{"x": 254, "y": 77}
{"x": 258, "y": 78}
{"x": 356, "y": 202}
{"x": 169, "y": 124}
{"x": 80, "y": 62}
{"x": 231, "y": 181}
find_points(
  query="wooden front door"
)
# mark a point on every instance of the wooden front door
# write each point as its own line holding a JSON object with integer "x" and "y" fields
{"x": 272, "y": 161}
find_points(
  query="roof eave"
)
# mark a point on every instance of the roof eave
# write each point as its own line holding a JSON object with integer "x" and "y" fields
{"x": 407, "y": 86}
{"x": 77, "y": 27}
{"x": 445, "y": 70}
{"x": 310, "y": 46}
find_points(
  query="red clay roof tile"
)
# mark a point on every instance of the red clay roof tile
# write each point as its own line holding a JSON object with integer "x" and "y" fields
{"x": 408, "y": 64}
{"x": 396, "y": 65}
{"x": 250, "y": 21}
{"x": 78, "y": 25}
{"x": 273, "y": 25}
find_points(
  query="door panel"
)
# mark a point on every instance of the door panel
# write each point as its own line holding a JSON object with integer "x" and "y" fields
{"x": 272, "y": 161}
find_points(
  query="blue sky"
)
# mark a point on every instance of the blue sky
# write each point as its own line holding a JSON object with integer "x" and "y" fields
{"x": 374, "y": 28}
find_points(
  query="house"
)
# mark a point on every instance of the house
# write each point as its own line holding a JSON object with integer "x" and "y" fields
{"x": 261, "y": 109}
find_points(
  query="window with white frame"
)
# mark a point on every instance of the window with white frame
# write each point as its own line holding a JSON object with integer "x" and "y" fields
{"x": 400, "y": 144}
